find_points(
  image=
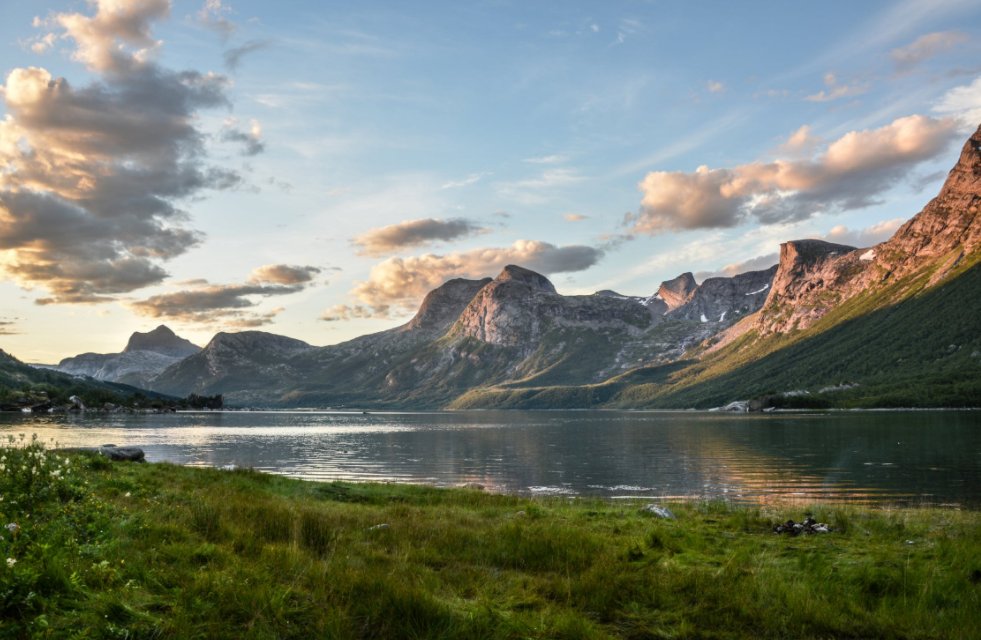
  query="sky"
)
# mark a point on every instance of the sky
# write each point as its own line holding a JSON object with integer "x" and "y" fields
{"x": 312, "y": 169}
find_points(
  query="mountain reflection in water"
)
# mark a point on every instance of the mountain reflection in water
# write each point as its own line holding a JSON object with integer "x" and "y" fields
{"x": 862, "y": 457}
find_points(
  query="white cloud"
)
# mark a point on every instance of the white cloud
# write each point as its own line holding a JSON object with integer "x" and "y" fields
{"x": 926, "y": 47}
{"x": 963, "y": 102}
{"x": 541, "y": 188}
{"x": 850, "y": 173}
{"x": 714, "y": 86}
{"x": 397, "y": 285}
{"x": 473, "y": 178}
{"x": 836, "y": 91}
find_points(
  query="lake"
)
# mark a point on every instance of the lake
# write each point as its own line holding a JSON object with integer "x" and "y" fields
{"x": 901, "y": 457}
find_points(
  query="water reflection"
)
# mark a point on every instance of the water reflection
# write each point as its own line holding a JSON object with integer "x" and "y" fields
{"x": 894, "y": 457}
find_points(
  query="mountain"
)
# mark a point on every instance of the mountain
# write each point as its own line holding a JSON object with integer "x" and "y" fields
{"x": 163, "y": 341}
{"x": 513, "y": 330}
{"x": 145, "y": 356}
{"x": 891, "y": 325}
{"x": 23, "y": 386}
{"x": 829, "y": 325}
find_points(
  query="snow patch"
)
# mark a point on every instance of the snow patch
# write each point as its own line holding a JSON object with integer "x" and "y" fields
{"x": 723, "y": 316}
{"x": 753, "y": 293}
{"x": 704, "y": 319}
{"x": 868, "y": 255}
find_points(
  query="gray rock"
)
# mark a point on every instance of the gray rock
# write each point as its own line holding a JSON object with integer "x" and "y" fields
{"x": 657, "y": 510}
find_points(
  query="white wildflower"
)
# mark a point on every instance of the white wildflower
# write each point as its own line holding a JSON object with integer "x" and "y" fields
{"x": 11, "y": 562}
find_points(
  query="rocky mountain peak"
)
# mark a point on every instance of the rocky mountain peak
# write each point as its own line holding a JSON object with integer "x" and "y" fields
{"x": 514, "y": 273}
{"x": 806, "y": 268}
{"x": 948, "y": 222}
{"x": 163, "y": 341}
{"x": 250, "y": 341}
{"x": 443, "y": 305}
{"x": 727, "y": 299}
{"x": 797, "y": 254}
{"x": 677, "y": 291}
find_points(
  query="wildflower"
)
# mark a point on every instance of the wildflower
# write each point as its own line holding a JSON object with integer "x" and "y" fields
{"x": 11, "y": 562}
{"x": 13, "y": 527}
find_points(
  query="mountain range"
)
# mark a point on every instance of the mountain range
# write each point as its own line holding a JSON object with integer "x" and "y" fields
{"x": 830, "y": 325}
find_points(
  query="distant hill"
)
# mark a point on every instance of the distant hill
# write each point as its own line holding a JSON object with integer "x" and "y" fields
{"x": 145, "y": 356}
{"x": 24, "y": 387}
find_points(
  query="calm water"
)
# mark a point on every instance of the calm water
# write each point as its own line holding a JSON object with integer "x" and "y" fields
{"x": 887, "y": 457}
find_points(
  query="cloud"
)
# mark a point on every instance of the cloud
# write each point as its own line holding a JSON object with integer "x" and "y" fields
{"x": 964, "y": 103}
{"x": 849, "y": 174}
{"x": 550, "y": 159}
{"x": 759, "y": 263}
{"x": 575, "y": 217}
{"x": 213, "y": 15}
{"x": 8, "y": 327}
{"x": 350, "y": 312}
{"x": 414, "y": 233}
{"x": 801, "y": 141}
{"x": 473, "y": 178}
{"x": 714, "y": 86}
{"x": 396, "y": 285}
{"x": 91, "y": 177}
{"x": 284, "y": 274}
{"x": 879, "y": 232}
{"x": 250, "y": 140}
{"x": 836, "y": 91}
{"x": 537, "y": 190}
{"x": 233, "y": 57}
{"x": 231, "y": 304}
{"x": 924, "y": 48}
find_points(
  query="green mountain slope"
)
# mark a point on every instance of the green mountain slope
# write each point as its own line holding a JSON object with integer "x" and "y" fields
{"x": 22, "y": 385}
{"x": 924, "y": 351}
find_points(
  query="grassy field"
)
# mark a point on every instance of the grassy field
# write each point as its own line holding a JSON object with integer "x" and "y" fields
{"x": 93, "y": 549}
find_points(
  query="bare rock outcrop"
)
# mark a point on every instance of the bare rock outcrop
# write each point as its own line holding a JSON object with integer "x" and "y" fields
{"x": 518, "y": 306}
{"x": 443, "y": 305}
{"x": 726, "y": 300}
{"x": 677, "y": 291}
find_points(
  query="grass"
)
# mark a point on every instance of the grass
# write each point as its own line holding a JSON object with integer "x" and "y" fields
{"x": 159, "y": 551}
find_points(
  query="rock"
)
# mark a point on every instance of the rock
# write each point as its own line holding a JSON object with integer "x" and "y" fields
{"x": 677, "y": 291}
{"x": 726, "y": 300}
{"x": 379, "y": 527}
{"x": 808, "y": 526}
{"x": 111, "y": 451}
{"x": 737, "y": 406}
{"x": 77, "y": 403}
{"x": 657, "y": 510}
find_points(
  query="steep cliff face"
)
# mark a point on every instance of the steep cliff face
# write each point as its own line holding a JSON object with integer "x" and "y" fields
{"x": 677, "y": 291}
{"x": 443, "y": 305}
{"x": 727, "y": 299}
{"x": 809, "y": 281}
{"x": 519, "y": 306}
{"x": 947, "y": 229}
